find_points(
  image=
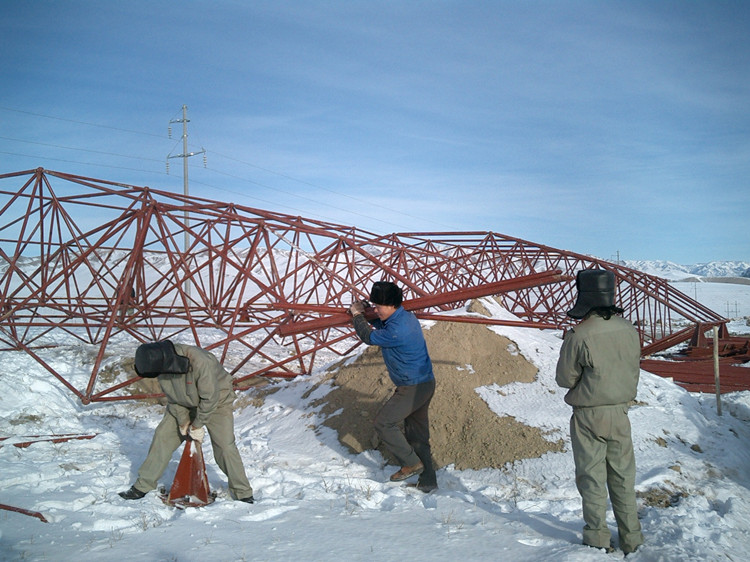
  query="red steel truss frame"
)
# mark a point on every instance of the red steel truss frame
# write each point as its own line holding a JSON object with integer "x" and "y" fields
{"x": 95, "y": 260}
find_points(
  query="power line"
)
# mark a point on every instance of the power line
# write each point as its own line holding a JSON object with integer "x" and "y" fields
{"x": 79, "y": 162}
{"x": 80, "y": 149}
{"x": 80, "y": 122}
{"x": 293, "y": 195}
{"x": 369, "y": 204}
{"x": 362, "y": 202}
{"x": 271, "y": 203}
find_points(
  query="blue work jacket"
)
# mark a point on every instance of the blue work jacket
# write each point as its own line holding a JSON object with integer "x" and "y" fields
{"x": 403, "y": 347}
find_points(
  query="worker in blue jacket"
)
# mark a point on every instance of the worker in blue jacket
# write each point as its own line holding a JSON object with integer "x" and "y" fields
{"x": 399, "y": 335}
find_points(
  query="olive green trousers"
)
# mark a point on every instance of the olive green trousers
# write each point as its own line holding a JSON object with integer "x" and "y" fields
{"x": 604, "y": 461}
{"x": 167, "y": 438}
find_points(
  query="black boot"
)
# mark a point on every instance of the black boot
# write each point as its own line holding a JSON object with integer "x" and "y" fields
{"x": 428, "y": 479}
{"x": 132, "y": 494}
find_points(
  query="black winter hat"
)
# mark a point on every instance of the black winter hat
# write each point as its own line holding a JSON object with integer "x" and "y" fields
{"x": 154, "y": 359}
{"x": 386, "y": 293}
{"x": 596, "y": 289}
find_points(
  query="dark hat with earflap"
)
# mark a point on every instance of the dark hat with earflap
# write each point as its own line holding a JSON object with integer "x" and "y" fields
{"x": 596, "y": 289}
{"x": 386, "y": 293}
{"x": 154, "y": 359}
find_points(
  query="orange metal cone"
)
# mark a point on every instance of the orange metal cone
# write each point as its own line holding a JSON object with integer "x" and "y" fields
{"x": 190, "y": 486}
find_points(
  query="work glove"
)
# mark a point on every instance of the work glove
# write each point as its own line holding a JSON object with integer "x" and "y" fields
{"x": 357, "y": 308}
{"x": 196, "y": 433}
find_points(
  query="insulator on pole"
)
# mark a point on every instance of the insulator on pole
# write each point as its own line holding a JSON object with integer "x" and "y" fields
{"x": 167, "y": 166}
{"x": 169, "y": 131}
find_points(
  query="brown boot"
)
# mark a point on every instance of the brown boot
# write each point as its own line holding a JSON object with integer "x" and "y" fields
{"x": 407, "y": 472}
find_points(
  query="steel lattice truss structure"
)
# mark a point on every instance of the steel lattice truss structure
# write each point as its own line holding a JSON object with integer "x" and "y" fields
{"x": 98, "y": 261}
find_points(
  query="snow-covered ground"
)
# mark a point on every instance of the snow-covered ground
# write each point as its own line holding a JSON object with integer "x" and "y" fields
{"x": 731, "y": 301}
{"x": 316, "y": 501}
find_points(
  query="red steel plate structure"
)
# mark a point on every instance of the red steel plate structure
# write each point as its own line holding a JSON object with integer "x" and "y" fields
{"x": 99, "y": 261}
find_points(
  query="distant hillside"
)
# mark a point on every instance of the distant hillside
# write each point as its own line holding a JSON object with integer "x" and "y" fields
{"x": 671, "y": 271}
{"x": 716, "y": 271}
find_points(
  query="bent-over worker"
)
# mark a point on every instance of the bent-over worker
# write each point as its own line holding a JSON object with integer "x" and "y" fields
{"x": 199, "y": 396}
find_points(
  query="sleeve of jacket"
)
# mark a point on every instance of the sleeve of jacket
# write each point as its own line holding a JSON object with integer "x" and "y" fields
{"x": 362, "y": 327}
{"x": 207, "y": 370}
{"x": 572, "y": 360}
{"x": 180, "y": 413}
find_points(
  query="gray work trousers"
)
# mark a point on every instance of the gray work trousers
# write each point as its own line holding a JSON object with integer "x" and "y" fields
{"x": 604, "y": 460}
{"x": 410, "y": 405}
{"x": 167, "y": 438}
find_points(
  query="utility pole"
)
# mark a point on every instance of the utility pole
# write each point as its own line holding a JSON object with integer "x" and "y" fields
{"x": 185, "y": 155}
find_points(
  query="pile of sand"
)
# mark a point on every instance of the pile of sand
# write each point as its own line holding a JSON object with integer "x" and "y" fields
{"x": 464, "y": 431}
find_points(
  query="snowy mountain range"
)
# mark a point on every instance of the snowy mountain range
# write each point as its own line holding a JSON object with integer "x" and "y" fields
{"x": 732, "y": 271}
{"x": 676, "y": 272}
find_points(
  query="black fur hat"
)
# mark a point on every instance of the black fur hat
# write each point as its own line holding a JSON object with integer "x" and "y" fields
{"x": 387, "y": 293}
{"x": 154, "y": 359}
{"x": 596, "y": 289}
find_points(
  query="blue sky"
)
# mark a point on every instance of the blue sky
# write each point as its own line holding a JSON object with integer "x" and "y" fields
{"x": 604, "y": 128}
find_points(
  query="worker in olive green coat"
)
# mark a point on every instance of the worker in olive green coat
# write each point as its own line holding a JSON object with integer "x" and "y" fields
{"x": 600, "y": 364}
{"x": 200, "y": 394}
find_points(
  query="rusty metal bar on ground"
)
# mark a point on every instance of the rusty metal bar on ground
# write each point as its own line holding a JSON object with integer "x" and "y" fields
{"x": 53, "y": 438}
{"x": 698, "y": 375}
{"x": 342, "y": 317}
{"x": 667, "y": 342}
{"x": 24, "y": 511}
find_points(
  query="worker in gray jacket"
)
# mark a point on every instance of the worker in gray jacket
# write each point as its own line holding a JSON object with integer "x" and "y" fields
{"x": 200, "y": 396}
{"x": 600, "y": 364}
